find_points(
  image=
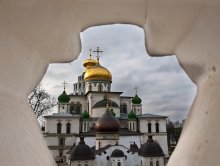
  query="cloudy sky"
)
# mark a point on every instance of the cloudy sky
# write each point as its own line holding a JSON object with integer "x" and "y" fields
{"x": 162, "y": 84}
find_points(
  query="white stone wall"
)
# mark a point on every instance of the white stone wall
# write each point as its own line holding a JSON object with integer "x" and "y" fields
{"x": 83, "y": 163}
{"x": 95, "y": 86}
{"x": 137, "y": 108}
{"x": 51, "y": 124}
{"x": 116, "y": 160}
{"x": 127, "y": 140}
{"x": 132, "y": 125}
{"x": 132, "y": 159}
{"x": 82, "y": 100}
{"x": 146, "y": 161}
{"x": 69, "y": 141}
{"x": 63, "y": 108}
{"x": 143, "y": 125}
{"x": 127, "y": 101}
{"x": 103, "y": 143}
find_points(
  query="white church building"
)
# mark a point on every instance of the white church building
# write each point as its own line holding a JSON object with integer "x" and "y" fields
{"x": 97, "y": 127}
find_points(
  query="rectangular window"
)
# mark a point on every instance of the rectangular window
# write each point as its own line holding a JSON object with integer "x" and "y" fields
{"x": 61, "y": 141}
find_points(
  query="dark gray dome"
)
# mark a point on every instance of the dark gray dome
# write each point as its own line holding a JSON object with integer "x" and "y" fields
{"x": 134, "y": 147}
{"x": 82, "y": 152}
{"x": 117, "y": 153}
{"x": 151, "y": 149}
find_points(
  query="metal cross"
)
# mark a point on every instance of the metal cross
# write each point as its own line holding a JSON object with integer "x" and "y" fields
{"x": 136, "y": 89}
{"x": 90, "y": 55}
{"x": 98, "y": 51}
{"x": 64, "y": 84}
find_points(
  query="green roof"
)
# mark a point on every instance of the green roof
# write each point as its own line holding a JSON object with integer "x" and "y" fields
{"x": 85, "y": 115}
{"x": 132, "y": 116}
{"x": 136, "y": 100}
{"x": 64, "y": 98}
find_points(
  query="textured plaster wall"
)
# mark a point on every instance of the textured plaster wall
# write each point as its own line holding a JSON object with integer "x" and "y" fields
{"x": 34, "y": 33}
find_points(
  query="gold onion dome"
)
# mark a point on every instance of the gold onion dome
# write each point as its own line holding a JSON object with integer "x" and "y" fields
{"x": 89, "y": 62}
{"x": 97, "y": 72}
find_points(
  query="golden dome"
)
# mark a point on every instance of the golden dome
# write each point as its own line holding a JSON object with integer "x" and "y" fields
{"x": 97, "y": 72}
{"x": 89, "y": 62}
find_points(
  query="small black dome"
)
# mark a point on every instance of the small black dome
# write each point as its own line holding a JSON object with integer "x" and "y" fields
{"x": 151, "y": 149}
{"x": 82, "y": 152}
{"x": 134, "y": 147}
{"x": 117, "y": 153}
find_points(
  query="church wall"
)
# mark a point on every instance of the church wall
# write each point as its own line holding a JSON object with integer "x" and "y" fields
{"x": 98, "y": 112}
{"x": 69, "y": 141}
{"x": 51, "y": 125}
{"x": 137, "y": 108}
{"x": 127, "y": 140}
{"x": 146, "y": 161}
{"x": 90, "y": 141}
{"x": 143, "y": 125}
{"x": 82, "y": 100}
{"x": 95, "y": 86}
{"x": 63, "y": 108}
{"x": 83, "y": 163}
{"x": 75, "y": 126}
{"x": 93, "y": 99}
{"x": 132, "y": 159}
{"x": 127, "y": 102}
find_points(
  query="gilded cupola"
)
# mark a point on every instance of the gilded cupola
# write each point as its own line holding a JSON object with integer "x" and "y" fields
{"x": 95, "y": 72}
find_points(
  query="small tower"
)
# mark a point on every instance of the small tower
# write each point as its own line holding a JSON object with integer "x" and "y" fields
{"x": 85, "y": 122}
{"x": 107, "y": 130}
{"x": 132, "y": 121}
{"x": 136, "y": 104}
{"x": 117, "y": 157}
{"x": 151, "y": 153}
{"x": 97, "y": 78}
{"x": 82, "y": 155}
{"x": 63, "y": 102}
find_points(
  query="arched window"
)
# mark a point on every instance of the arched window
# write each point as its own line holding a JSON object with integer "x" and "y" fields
{"x": 157, "y": 163}
{"x": 109, "y": 88}
{"x": 75, "y": 108}
{"x": 149, "y": 127}
{"x": 68, "y": 128}
{"x": 157, "y": 128}
{"x": 59, "y": 125}
{"x": 90, "y": 87}
{"x": 123, "y": 109}
{"x": 100, "y": 88}
{"x": 151, "y": 163}
{"x": 61, "y": 141}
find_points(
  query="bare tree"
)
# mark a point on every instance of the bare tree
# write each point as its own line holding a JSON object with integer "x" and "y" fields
{"x": 41, "y": 102}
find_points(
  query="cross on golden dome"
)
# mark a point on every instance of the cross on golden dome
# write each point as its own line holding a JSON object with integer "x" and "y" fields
{"x": 98, "y": 51}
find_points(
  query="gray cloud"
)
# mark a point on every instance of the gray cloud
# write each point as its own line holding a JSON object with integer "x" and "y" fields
{"x": 162, "y": 84}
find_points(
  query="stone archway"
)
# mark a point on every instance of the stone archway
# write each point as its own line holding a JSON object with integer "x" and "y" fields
{"x": 35, "y": 33}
